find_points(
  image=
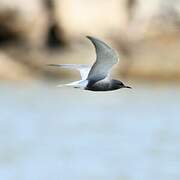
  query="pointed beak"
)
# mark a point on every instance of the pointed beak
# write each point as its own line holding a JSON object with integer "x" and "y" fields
{"x": 128, "y": 87}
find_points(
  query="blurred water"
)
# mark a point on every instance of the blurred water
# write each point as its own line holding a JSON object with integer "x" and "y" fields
{"x": 63, "y": 134}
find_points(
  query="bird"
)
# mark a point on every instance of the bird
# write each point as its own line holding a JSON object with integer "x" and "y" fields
{"x": 96, "y": 77}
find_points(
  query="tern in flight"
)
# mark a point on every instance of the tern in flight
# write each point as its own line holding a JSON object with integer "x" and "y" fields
{"x": 96, "y": 77}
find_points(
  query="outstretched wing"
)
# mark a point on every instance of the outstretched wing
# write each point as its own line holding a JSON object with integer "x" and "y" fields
{"x": 106, "y": 57}
{"x": 83, "y": 68}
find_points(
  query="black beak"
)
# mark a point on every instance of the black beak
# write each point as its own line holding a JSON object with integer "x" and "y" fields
{"x": 128, "y": 87}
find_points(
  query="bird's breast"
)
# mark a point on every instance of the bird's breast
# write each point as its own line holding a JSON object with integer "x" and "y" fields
{"x": 99, "y": 86}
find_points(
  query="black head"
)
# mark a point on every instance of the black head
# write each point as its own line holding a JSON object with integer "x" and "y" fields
{"x": 118, "y": 84}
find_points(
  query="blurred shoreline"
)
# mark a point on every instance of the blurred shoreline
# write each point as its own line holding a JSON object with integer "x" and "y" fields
{"x": 147, "y": 41}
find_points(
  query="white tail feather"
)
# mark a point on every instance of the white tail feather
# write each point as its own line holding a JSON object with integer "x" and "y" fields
{"x": 76, "y": 84}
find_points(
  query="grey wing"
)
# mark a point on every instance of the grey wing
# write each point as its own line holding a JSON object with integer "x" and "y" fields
{"x": 83, "y": 68}
{"x": 106, "y": 57}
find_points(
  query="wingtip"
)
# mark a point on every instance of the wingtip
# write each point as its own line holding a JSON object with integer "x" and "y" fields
{"x": 95, "y": 41}
{"x": 89, "y": 37}
{"x": 51, "y": 64}
{"x": 92, "y": 38}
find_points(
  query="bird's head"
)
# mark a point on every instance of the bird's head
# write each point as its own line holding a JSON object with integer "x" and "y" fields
{"x": 118, "y": 84}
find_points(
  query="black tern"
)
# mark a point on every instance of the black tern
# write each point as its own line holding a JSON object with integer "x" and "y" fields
{"x": 96, "y": 77}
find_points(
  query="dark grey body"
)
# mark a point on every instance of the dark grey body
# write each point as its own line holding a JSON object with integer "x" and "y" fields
{"x": 105, "y": 85}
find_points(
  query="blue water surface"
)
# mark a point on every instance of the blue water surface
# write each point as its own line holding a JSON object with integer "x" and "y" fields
{"x": 48, "y": 133}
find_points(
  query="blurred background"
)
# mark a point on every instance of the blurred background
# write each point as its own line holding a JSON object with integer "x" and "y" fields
{"x": 51, "y": 133}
